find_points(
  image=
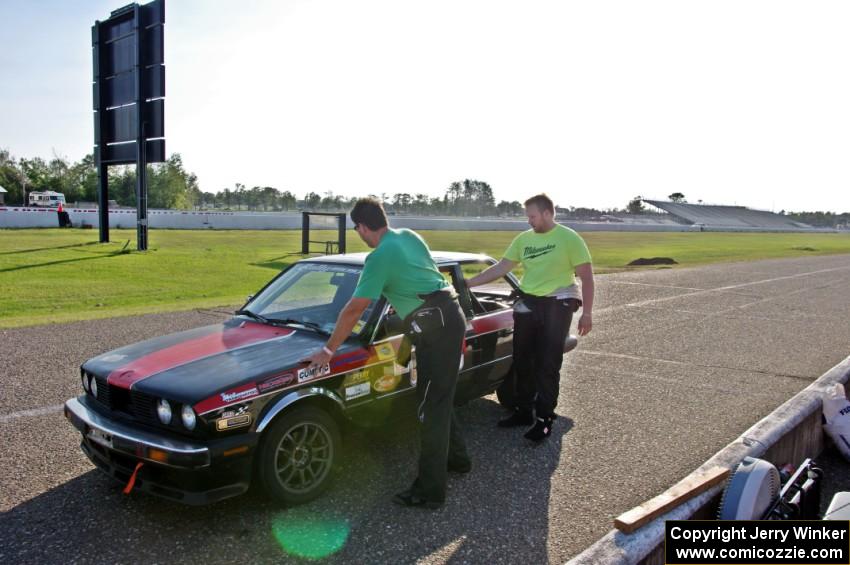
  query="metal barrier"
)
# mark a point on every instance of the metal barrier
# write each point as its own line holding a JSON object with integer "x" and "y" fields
{"x": 13, "y": 217}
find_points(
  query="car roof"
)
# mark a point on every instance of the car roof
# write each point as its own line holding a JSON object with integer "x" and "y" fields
{"x": 440, "y": 257}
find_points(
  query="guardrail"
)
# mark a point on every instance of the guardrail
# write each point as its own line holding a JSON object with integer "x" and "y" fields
{"x": 790, "y": 433}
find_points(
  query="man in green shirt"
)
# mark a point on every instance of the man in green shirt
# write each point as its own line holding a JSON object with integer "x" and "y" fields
{"x": 551, "y": 255}
{"x": 401, "y": 269}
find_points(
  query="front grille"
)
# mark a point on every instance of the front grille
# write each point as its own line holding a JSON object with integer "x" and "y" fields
{"x": 132, "y": 405}
{"x": 119, "y": 399}
{"x": 138, "y": 405}
{"x": 104, "y": 396}
{"x": 143, "y": 407}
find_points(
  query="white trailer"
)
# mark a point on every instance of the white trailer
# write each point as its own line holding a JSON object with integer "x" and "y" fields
{"x": 48, "y": 198}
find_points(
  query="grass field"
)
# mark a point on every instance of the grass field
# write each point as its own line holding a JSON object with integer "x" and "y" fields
{"x": 52, "y": 275}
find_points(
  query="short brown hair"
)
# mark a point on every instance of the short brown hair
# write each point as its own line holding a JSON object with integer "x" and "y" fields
{"x": 542, "y": 202}
{"x": 370, "y": 213}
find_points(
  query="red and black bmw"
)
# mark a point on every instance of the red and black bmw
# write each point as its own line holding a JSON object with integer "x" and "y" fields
{"x": 193, "y": 416}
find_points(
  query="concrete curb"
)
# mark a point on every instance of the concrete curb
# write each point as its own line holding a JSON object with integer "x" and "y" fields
{"x": 798, "y": 416}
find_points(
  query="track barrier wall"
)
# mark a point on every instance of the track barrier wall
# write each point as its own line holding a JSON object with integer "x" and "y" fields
{"x": 15, "y": 217}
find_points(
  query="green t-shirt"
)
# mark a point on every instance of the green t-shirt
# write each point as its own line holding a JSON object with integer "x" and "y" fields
{"x": 400, "y": 268}
{"x": 549, "y": 259}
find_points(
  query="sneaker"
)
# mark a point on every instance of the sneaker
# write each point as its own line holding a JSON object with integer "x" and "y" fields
{"x": 541, "y": 430}
{"x": 518, "y": 418}
{"x": 407, "y": 498}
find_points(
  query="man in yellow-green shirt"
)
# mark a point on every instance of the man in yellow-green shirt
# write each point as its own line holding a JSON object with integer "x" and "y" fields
{"x": 551, "y": 255}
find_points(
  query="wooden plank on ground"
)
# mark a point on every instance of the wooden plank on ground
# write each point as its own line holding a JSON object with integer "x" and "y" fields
{"x": 686, "y": 489}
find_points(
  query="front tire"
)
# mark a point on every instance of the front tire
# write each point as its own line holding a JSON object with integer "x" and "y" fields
{"x": 297, "y": 455}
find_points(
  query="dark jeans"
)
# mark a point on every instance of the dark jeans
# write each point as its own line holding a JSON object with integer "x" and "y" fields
{"x": 539, "y": 351}
{"x": 438, "y": 350}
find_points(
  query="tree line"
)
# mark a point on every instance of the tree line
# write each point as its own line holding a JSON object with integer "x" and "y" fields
{"x": 171, "y": 186}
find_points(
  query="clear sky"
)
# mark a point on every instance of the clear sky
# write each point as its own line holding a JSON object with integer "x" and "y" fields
{"x": 729, "y": 102}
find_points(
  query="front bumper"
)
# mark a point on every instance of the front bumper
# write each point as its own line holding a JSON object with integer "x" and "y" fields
{"x": 186, "y": 471}
{"x": 140, "y": 444}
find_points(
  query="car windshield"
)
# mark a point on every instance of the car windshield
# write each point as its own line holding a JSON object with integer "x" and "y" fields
{"x": 310, "y": 293}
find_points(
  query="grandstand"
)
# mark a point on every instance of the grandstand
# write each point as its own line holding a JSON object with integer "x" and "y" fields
{"x": 727, "y": 217}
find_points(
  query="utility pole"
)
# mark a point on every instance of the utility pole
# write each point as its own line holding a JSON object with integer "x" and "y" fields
{"x": 23, "y": 177}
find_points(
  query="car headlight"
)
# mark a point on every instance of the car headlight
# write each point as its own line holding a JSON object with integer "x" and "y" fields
{"x": 85, "y": 382}
{"x": 163, "y": 410}
{"x": 93, "y": 386}
{"x": 188, "y": 417}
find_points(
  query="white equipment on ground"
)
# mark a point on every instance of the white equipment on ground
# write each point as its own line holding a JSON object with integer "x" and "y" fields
{"x": 753, "y": 492}
{"x": 836, "y": 412}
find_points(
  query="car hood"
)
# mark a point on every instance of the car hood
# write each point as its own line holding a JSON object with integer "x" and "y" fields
{"x": 196, "y": 364}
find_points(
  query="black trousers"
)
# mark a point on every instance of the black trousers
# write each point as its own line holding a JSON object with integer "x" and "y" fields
{"x": 539, "y": 336}
{"x": 439, "y": 343}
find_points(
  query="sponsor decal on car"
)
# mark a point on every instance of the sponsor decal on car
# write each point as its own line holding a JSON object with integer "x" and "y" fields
{"x": 277, "y": 381}
{"x": 356, "y": 391}
{"x": 239, "y": 395}
{"x": 387, "y": 383}
{"x": 223, "y": 424}
{"x": 310, "y": 373}
{"x": 385, "y": 351}
{"x": 235, "y": 410}
{"x": 355, "y": 377}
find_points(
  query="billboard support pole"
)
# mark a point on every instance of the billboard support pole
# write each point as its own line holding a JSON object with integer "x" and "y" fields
{"x": 141, "y": 139}
{"x": 102, "y": 168}
{"x": 103, "y": 200}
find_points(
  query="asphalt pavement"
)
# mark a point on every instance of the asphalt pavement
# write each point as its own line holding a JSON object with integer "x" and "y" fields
{"x": 680, "y": 362}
